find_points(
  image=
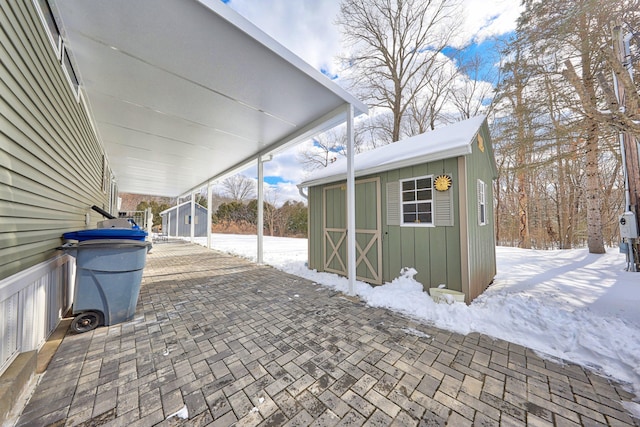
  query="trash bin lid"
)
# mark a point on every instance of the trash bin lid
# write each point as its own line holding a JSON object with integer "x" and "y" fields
{"x": 106, "y": 233}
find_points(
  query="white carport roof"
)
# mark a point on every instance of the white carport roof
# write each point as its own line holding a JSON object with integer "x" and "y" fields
{"x": 186, "y": 91}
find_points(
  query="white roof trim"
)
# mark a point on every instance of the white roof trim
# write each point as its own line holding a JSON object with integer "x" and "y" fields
{"x": 443, "y": 143}
{"x": 181, "y": 205}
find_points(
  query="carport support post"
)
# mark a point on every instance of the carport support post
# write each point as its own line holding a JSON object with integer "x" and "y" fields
{"x": 177, "y": 216}
{"x": 192, "y": 221}
{"x": 168, "y": 230}
{"x": 351, "y": 204}
{"x": 209, "y": 213}
{"x": 260, "y": 219}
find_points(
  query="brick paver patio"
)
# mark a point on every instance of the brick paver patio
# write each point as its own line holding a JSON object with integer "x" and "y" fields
{"x": 244, "y": 345}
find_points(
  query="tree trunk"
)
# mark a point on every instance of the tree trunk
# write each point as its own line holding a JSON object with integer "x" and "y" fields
{"x": 595, "y": 241}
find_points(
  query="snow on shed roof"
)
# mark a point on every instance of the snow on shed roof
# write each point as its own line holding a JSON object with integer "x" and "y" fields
{"x": 442, "y": 143}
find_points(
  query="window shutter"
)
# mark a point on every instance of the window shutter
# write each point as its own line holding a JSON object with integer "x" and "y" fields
{"x": 443, "y": 207}
{"x": 393, "y": 203}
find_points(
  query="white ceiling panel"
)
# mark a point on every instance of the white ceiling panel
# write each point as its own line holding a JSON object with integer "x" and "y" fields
{"x": 183, "y": 91}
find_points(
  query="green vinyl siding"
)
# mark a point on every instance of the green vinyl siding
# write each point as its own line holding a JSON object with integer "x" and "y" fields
{"x": 51, "y": 164}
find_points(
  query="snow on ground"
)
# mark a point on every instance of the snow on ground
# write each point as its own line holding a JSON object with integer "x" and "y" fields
{"x": 568, "y": 304}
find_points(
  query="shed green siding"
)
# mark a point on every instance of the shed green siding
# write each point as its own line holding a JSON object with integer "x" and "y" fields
{"x": 51, "y": 164}
{"x": 315, "y": 207}
{"x": 455, "y": 249}
{"x": 481, "y": 238}
{"x": 433, "y": 251}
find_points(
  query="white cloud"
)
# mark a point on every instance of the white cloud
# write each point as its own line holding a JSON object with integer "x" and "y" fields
{"x": 308, "y": 29}
{"x": 487, "y": 18}
{"x": 285, "y": 165}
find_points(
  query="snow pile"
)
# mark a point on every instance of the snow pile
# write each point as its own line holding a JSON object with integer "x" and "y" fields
{"x": 565, "y": 304}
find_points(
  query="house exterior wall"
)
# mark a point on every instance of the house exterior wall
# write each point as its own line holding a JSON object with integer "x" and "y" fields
{"x": 51, "y": 164}
{"x": 480, "y": 240}
{"x": 52, "y": 170}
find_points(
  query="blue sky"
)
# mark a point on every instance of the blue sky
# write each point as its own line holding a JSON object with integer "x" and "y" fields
{"x": 306, "y": 27}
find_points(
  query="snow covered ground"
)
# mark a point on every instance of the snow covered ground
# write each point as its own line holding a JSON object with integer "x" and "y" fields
{"x": 564, "y": 304}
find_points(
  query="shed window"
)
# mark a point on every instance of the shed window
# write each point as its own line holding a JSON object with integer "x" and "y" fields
{"x": 417, "y": 201}
{"x": 482, "y": 203}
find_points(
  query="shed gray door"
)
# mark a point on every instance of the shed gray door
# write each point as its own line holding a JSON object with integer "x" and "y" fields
{"x": 368, "y": 230}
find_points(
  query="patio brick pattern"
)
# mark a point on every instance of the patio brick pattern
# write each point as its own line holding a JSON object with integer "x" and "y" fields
{"x": 240, "y": 344}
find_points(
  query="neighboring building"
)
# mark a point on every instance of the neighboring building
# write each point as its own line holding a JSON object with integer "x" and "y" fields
{"x": 425, "y": 202}
{"x": 180, "y": 216}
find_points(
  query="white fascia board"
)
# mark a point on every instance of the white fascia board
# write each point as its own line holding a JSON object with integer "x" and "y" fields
{"x": 179, "y": 206}
{"x": 457, "y": 152}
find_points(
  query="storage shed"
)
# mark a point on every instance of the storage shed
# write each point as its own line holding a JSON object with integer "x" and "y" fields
{"x": 425, "y": 202}
{"x": 180, "y": 216}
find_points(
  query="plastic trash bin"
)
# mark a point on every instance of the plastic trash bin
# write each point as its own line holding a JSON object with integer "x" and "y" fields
{"x": 106, "y": 233}
{"x": 108, "y": 277}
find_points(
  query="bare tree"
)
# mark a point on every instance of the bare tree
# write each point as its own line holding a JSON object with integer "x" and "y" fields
{"x": 426, "y": 106}
{"x": 474, "y": 85}
{"x": 394, "y": 46}
{"x": 576, "y": 30}
{"x": 239, "y": 188}
{"x": 325, "y": 149}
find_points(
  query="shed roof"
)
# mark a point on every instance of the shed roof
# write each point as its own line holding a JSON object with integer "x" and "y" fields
{"x": 183, "y": 92}
{"x": 188, "y": 202}
{"x": 442, "y": 143}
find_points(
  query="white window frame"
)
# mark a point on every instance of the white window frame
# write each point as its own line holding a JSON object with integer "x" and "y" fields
{"x": 482, "y": 203}
{"x": 67, "y": 68}
{"x": 106, "y": 174}
{"x": 416, "y": 201}
{"x": 54, "y": 39}
{"x": 61, "y": 51}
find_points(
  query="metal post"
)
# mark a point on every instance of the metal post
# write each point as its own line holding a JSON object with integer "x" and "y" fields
{"x": 168, "y": 230}
{"x": 177, "y": 217}
{"x": 209, "y": 213}
{"x": 628, "y": 142}
{"x": 149, "y": 222}
{"x": 192, "y": 228}
{"x": 260, "y": 219}
{"x": 351, "y": 204}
